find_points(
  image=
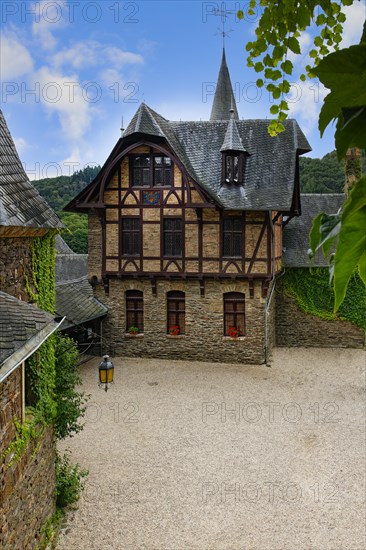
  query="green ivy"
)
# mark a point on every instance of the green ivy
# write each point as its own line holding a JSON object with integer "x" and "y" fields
{"x": 314, "y": 295}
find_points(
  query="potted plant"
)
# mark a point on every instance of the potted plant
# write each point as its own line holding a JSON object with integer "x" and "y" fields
{"x": 133, "y": 330}
{"x": 174, "y": 330}
{"x": 234, "y": 332}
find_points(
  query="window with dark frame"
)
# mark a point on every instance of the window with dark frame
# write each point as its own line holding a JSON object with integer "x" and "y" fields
{"x": 172, "y": 237}
{"x": 134, "y": 310}
{"x": 131, "y": 236}
{"x": 232, "y": 237}
{"x": 176, "y": 311}
{"x": 234, "y": 313}
{"x": 155, "y": 170}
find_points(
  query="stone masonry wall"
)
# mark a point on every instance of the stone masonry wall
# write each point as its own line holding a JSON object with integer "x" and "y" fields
{"x": 294, "y": 328}
{"x": 15, "y": 265}
{"x": 27, "y": 495}
{"x": 203, "y": 341}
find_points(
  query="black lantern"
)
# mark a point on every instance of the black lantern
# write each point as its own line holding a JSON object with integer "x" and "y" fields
{"x": 106, "y": 371}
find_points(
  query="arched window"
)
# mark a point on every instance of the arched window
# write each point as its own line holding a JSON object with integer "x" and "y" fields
{"x": 234, "y": 313}
{"x": 176, "y": 305}
{"x": 134, "y": 310}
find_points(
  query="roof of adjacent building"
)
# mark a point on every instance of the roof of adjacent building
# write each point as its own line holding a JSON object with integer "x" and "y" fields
{"x": 75, "y": 301}
{"x": 20, "y": 203}
{"x": 296, "y": 232}
{"x": 23, "y": 328}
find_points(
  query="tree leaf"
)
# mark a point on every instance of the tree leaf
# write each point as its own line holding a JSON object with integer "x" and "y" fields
{"x": 294, "y": 45}
{"x": 362, "y": 267}
{"x": 351, "y": 245}
{"x": 351, "y": 130}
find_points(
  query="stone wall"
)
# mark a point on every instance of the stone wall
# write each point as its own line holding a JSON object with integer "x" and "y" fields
{"x": 203, "y": 341}
{"x": 294, "y": 328}
{"x": 27, "y": 495}
{"x": 15, "y": 265}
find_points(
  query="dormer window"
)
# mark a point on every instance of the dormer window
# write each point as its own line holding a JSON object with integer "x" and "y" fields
{"x": 232, "y": 169}
{"x": 155, "y": 170}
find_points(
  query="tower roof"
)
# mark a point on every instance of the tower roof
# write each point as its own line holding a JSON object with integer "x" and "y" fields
{"x": 224, "y": 99}
{"x": 232, "y": 141}
{"x": 145, "y": 121}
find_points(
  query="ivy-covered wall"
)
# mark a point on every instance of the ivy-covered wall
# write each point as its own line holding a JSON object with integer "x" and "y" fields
{"x": 314, "y": 295}
{"x": 304, "y": 311}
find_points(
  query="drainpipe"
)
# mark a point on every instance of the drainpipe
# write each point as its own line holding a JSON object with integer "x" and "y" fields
{"x": 269, "y": 299}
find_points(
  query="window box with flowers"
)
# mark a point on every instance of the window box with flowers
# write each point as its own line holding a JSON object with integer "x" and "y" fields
{"x": 234, "y": 333}
{"x": 175, "y": 332}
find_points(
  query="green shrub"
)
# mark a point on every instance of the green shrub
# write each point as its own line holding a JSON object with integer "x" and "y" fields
{"x": 69, "y": 481}
{"x": 71, "y": 404}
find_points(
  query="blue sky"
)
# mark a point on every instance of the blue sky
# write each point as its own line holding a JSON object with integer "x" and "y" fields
{"x": 71, "y": 70}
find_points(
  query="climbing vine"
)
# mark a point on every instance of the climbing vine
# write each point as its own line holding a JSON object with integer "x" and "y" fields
{"x": 42, "y": 364}
{"x": 315, "y": 296}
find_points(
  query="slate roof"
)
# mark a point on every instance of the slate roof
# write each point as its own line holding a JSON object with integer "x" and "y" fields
{"x": 20, "y": 203}
{"x": 270, "y": 173}
{"x": 270, "y": 168}
{"x": 19, "y": 323}
{"x": 75, "y": 301}
{"x": 61, "y": 246}
{"x": 224, "y": 99}
{"x": 296, "y": 232}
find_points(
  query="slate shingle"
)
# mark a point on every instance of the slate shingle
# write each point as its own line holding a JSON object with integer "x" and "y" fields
{"x": 20, "y": 203}
{"x": 75, "y": 301}
{"x": 19, "y": 322}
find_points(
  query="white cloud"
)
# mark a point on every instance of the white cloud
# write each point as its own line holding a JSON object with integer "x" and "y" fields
{"x": 48, "y": 17}
{"x": 71, "y": 106}
{"x": 119, "y": 58}
{"x": 15, "y": 59}
{"x": 108, "y": 77}
{"x": 352, "y": 27}
{"x": 91, "y": 53}
{"x": 305, "y": 101}
{"x": 20, "y": 144}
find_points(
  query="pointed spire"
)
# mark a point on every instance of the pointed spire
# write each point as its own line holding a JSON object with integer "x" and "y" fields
{"x": 224, "y": 99}
{"x": 232, "y": 141}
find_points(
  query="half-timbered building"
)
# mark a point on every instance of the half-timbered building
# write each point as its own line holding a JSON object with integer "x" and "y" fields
{"x": 185, "y": 232}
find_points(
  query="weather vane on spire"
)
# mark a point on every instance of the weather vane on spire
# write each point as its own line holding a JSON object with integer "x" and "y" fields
{"x": 224, "y": 14}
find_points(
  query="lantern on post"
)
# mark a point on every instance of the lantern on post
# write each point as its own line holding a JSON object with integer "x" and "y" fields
{"x": 106, "y": 371}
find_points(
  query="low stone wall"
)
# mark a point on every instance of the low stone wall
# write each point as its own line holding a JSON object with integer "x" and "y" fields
{"x": 203, "y": 341}
{"x": 27, "y": 488}
{"x": 294, "y": 328}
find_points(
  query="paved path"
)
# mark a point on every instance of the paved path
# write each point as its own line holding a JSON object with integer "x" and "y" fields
{"x": 200, "y": 456}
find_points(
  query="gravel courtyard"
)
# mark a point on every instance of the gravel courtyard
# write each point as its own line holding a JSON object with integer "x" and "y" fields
{"x": 206, "y": 456}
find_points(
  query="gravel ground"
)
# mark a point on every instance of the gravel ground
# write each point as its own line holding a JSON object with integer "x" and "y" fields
{"x": 202, "y": 456}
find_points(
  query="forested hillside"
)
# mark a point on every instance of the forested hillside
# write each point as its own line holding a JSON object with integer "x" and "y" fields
{"x": 58, "y": 192}
{"x": 324, "y": 175}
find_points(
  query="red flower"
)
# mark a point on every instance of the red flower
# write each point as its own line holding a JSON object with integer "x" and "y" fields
{"x": 174, "y": 330}
{"x": 234, "y": 332}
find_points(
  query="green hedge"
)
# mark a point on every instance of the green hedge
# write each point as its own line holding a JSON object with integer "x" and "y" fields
{"x": 315, "y": 296}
